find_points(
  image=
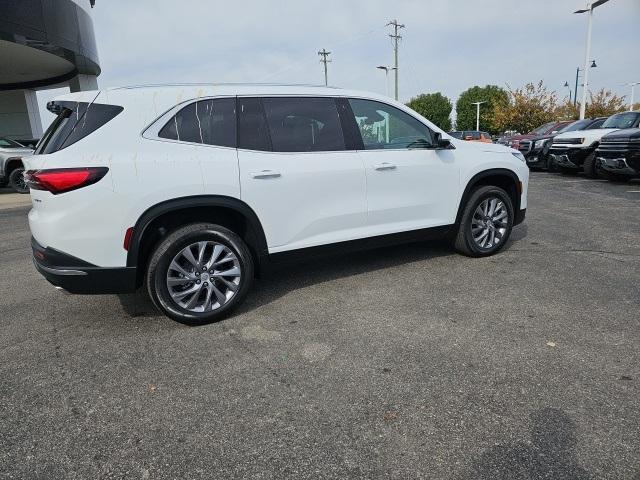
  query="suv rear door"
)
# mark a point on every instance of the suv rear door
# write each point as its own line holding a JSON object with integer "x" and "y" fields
{"x": 296, "y": 172}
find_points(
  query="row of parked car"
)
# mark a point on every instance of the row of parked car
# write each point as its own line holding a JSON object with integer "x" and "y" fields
{"x": 607, "y": 147}
{"x": 11, "y": 166}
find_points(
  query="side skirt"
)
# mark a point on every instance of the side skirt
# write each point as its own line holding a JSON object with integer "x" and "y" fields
{"x": 433, "y": 233}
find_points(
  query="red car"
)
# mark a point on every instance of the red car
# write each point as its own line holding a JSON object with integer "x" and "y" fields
{"x": 546, "y": 129}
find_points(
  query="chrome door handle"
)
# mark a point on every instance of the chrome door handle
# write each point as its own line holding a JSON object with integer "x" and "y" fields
{"x": 385, "y": 166}
{"x": 265, "y": 174}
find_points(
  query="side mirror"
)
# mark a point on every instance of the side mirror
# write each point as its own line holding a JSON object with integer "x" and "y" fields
{"x": 440, "y": 143}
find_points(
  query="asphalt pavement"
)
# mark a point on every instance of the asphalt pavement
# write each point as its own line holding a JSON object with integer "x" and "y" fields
{"x": 405, "y": 362}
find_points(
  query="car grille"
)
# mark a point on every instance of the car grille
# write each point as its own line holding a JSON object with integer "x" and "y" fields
{"x": 621, "y": 149}
{"x": 525, "y": 146}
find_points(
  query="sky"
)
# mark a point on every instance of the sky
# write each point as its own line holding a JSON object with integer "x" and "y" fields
{"x": 447, "y": 46}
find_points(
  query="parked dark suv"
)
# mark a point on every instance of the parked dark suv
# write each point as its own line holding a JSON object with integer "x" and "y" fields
{"x": 618, "y": 155}
{"x": 536, "y": 149}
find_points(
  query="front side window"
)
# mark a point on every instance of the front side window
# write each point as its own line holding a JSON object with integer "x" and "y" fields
{"x": 385, "y": 127}
{"x": 209, "y": 122}
{"x": 304, "y": 124}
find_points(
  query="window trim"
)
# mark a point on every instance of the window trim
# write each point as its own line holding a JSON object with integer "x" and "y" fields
{"x": 153, "y": 130}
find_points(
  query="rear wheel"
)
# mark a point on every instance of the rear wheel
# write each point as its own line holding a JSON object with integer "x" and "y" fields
{"x": 199, "y": 273}
{"x": 16, "y": 180}
{"x": 486, "y": 222}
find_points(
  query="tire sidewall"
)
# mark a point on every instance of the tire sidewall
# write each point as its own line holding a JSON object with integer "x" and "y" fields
{"x": 13, "y": 180}
{"x": 478, "y": 197}
{"x": 159, "y": 291}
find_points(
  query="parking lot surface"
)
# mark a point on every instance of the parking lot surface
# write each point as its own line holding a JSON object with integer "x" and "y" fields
{"x": 406, "y": 362}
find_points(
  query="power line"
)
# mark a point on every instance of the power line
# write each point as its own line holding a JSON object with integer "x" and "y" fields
{"x": 324, "y": 54}
{"x": 396, "y": 38}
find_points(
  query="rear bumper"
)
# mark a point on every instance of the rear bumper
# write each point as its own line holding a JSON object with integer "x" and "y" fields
{"x": 77, "y": 276}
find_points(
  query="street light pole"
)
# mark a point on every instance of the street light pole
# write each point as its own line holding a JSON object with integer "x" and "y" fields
{"x": 477, "y": 104}
{"x": 566, "y": 84}
{"x": 587, "y": 55}
{"x": 633, "y": 87}
{"x": 386, "y": 75}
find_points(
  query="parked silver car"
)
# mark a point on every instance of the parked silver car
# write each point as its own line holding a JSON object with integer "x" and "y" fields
{"x": 11, "y": 166}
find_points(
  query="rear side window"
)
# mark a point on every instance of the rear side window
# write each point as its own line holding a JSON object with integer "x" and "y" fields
{"x": 253, "y": 133}
{"x": 75, "y": 121}
{"x": 303, "y": 124}
{"x": 209, "y": 122}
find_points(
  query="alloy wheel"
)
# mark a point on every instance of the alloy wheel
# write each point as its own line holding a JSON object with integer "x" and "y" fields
{"x": 204, "y": 276}
{"x": 489, "y": 223}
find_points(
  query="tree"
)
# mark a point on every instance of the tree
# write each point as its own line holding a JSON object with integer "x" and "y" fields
{"x": 604, "y": 103}
{"x": 466, "y": 111}
{"x": 528, "y": 108}
{"x": 567, "y": 111}
{"x": 435, "y": 107}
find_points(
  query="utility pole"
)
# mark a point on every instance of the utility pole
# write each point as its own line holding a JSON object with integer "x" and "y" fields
{"x": 324, "y": 54}
{"x": 396, "y": 38}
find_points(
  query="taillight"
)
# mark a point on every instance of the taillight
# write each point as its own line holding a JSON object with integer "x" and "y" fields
{"x": 61, "y": 180}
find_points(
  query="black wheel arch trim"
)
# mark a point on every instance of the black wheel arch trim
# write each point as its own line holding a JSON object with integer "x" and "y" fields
{"x": 196, "y": 201}
{"x": 492, "y": 172}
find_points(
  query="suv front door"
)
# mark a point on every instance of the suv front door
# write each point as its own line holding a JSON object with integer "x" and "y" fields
{"x": 296, "y": 172}
{"x": 410, "y": 184}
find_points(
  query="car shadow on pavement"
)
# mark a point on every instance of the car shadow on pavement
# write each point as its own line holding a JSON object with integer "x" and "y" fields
{"x": 550, "y": 453}
{"x": 290, "y": 276}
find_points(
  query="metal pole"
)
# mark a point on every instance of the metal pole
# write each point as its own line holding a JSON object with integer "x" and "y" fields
{"x": 478, "y": 116}
{"x": 575, "y": 91}
{"x": 583, "y": 105}
{"x": 633, "y": 87}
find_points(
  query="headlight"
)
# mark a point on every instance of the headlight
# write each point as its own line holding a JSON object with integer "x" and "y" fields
{"x": 540, "y": 143}
{"x": 519, "y": 156}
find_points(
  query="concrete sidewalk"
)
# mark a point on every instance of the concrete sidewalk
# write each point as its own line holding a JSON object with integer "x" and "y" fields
{"x": 10, "y": 199}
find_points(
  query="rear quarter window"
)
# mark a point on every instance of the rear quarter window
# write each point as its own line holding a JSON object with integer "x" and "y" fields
{"x": 75, "y": 121}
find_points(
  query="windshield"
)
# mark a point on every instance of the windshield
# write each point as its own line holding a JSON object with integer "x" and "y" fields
{"x": 621, "y": 120}
{"x": 6, "y": 143}
{"x": 543, "y": 128}
{"x": 579, "y": 125}
{"x": 456, "y": 134}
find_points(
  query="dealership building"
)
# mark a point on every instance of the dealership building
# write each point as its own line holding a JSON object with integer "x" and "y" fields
{"x": 43, "y": 44}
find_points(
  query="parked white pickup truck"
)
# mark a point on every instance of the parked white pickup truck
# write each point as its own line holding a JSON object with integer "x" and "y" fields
{"x": 11, "y": 166}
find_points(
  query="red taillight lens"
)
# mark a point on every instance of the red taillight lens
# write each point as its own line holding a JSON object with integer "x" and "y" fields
{"x": 61, "y": 180}
{"x": 127, "y": 238}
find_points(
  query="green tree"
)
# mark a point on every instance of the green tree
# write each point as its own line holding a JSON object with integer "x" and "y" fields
{"x": 435, "y": 107}
{"x": 528, "y": 108}
{"x": 466, "y": 111}
{"x": 604, "y": 103}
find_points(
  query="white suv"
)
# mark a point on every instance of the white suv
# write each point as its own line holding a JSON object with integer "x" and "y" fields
{"x": 192, "y": 190}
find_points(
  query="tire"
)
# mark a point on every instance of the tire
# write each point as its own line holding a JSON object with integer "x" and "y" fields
{"x": 16, "y": 180}
{"x": 4, "y": 182}
{"x": 464, "y": 241}
{"x": 589, "y": 166}
{"x": 172, "y": 300}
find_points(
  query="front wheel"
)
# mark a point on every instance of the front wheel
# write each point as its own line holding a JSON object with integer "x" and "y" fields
{"x": 16, "y": 180}
{"x": 486, "y": 222}
{"x": 199, "y": 273}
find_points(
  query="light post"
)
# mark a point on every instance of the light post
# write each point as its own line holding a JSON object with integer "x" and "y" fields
{"x": 386, "y": 75}
{"x": 575, "y": 91}
{"x": 590, "y": 7}
{"x": 633, "y": 87}
{"x": 566, "y": 84}
{"x": 477, "y": 104}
